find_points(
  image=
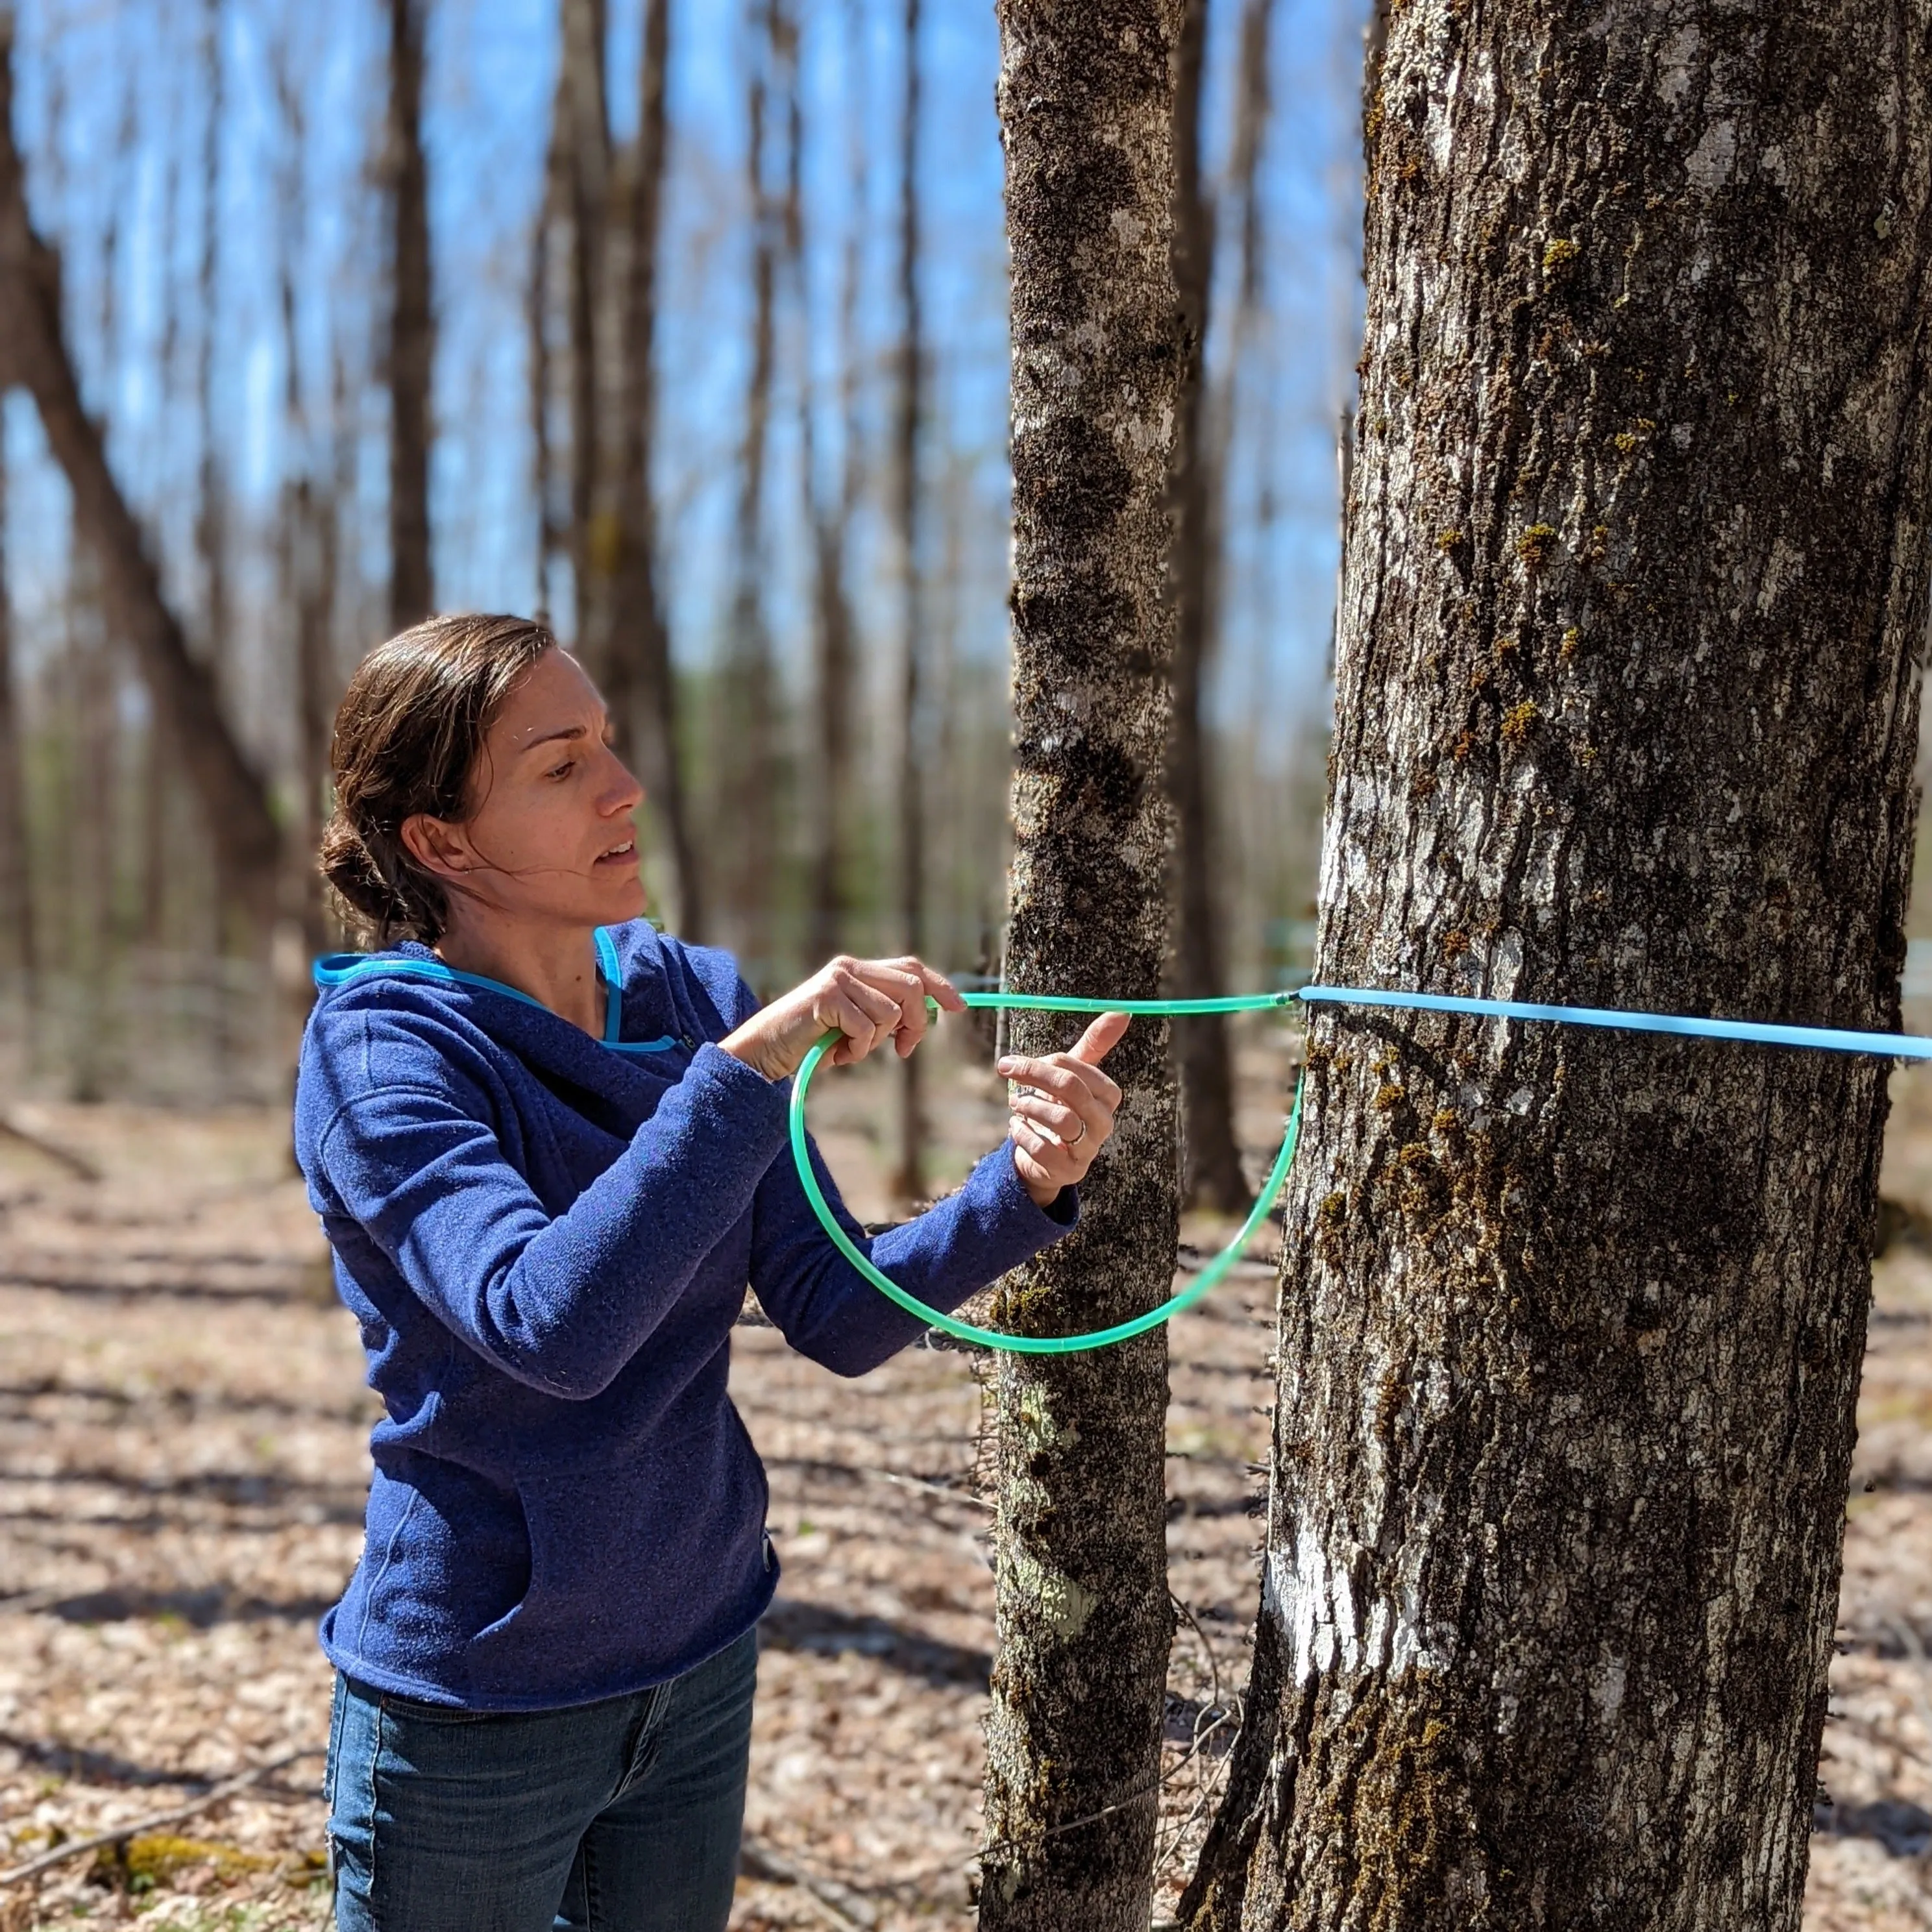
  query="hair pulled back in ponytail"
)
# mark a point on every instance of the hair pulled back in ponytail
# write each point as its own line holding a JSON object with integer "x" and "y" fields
{"x": 407, "y": 736}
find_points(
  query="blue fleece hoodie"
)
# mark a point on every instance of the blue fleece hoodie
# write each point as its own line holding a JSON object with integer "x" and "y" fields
{"x": 547, "y": 1239}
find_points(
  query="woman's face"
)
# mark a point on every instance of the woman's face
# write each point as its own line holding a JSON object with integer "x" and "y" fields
{"x": 549, "y": 835}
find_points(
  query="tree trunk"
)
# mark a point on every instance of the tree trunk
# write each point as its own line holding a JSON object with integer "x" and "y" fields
{"x": 17, "y": 934}
{"x": 828, "y": 514}
{"x": 1627, "y": 704}
{"x": 910, "y": 803}
{"x": 543, "y": 480}
{"x": 211, "y": 515}
{"x": 584, "y": 132}
{"x": 744, "y": 747}
{"x": 33, "y": 353}
{"x": 641, "y": 679}
{"x": 1086, "y": 98}
{"x": 1213, "y": 1171}
{"x": 412, "y": 345}
{"x": 834, "y": 685}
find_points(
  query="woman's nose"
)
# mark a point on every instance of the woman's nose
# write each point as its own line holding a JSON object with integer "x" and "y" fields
{"x": 621, "y": 791}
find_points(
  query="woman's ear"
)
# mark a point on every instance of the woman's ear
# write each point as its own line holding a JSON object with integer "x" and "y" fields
{"x": 437, "y": 846}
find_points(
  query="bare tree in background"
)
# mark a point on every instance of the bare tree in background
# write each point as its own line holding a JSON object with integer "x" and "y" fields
{"x": 583, "y": 138}
{"x": 1214, "y": 1176}
{"x": 910, "y": 804}
{"x": 829, "y": 514}
{"x": 1086, "y": 103}
{"x": 744, "y": 737}
{"x": 17, "y": 930}
{"x": 305, "y": 539}
{"x": 33, "y": 353}
{"x": 211, "y": 518}
{"x": 601, "y": 220}
{"x": 641, "y": 676}
{"x": 550, "y": 535}
{"x": 412, "y": 331}
{"x": 1626, "y": 702}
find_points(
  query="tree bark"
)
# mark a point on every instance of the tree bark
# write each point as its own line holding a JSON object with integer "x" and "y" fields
{"x": 910, "y": 802}
{"x": 412, "y": 341}
{"x": 640, "y": 678}
{"x": 17, "y": 934}
{"x": 583, "y": 132}
{"x": 543, "y": 478}
{"x": 211, "y": 515}
{"x": 1214, "y": 1178}
{"x": 1086, "y": 97}
{"x": 828, "y": 514}
{"x": 1627, "y": 704}
{"x": 33, "y": 353}
{"x": 745, "y": 750}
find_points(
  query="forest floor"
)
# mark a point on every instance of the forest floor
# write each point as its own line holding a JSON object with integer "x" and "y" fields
{"x": 182, "y": 1463}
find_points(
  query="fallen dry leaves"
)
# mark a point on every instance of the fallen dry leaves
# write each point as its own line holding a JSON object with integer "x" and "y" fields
{"x": 182, "y": 1421}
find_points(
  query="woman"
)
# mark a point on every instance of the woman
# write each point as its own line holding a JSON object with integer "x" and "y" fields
{"x": 548, "y": 1147}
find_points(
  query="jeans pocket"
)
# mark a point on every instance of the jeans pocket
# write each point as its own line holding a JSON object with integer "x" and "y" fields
{"x": 417, "y": 1711}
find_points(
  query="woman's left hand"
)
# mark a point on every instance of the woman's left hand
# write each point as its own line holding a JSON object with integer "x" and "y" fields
{"x": 1062, "y": 1109}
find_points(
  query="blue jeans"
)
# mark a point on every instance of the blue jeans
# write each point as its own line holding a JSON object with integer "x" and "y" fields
{"x": 617, "y": 1816}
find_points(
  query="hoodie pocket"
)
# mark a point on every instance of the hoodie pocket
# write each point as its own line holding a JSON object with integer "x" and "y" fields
{"x": 637, "y": 1566}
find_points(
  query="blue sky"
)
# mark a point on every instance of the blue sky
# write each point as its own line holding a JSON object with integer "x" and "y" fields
{"x": 92, "y": 70}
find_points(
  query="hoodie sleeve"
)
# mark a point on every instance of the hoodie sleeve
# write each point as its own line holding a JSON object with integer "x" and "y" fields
{"x": 827, "y": 1309}
{"x": 822, "y": 1305}
{"x": 561, "y": 1303}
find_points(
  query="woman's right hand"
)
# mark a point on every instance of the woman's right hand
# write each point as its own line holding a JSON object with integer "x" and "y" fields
{"x": 866, "y": 1002}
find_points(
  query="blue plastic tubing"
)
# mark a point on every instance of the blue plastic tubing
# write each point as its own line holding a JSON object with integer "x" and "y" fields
{"x": 1829, "y": 1039}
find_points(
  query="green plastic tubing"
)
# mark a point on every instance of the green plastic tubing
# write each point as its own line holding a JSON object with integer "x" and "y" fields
{"x": 1203, "y": 1284}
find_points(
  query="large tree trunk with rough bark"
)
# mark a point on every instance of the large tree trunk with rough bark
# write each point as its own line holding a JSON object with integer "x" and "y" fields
{"x": 1213, "y": 1168}
{"x": 1627, "y": 704}
{"x": 1086, "y": 97}
{"x": 33, "y": 353}
{"x": 411, "y": 334}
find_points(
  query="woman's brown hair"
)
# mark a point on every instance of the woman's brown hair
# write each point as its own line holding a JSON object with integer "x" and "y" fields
{"x": 407, "y": 737}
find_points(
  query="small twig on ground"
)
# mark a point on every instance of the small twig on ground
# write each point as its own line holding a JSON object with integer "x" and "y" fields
{"x": 931, "y": 1489}
{"x": 838, "y": 1902}
{"x": 141, "y": 1827}
{"x": 29, "y": 1601}
{"x": 77, "y": 1165}
{"x": 1915, "y": 1651}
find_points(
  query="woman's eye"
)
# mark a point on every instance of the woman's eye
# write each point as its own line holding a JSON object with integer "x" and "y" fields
{"x": 562, "y": 770}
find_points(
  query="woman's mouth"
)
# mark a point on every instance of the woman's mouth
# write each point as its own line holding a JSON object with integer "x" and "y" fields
{"x": 625, "y": 854}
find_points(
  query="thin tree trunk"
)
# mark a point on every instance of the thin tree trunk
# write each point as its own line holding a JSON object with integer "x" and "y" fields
{"x": 583, "y": 131}
{"x": 1086, "y": 99}
{"x": 542, "y": 455}
{"x": 910, "y": 803}
{"x": 412, "y": 341}
{"x": 1214, "y": 1177}
{"x": 830, "y": 515}
{"x": 89, "y": 808}
{"x": 746, "y": 758}
{"x": 211, "y": 516}
{"x": 1627, "y": 702}
{"x": 17, "y": 927}
{"x": 33, "y": 353}
{"x": 642, "y": 679}
{"x": 305, "y": 547}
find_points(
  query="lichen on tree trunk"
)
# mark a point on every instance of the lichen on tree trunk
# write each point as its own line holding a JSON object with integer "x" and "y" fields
{"x": 1085, "y": 98}
{"x": 1626, "y": 702}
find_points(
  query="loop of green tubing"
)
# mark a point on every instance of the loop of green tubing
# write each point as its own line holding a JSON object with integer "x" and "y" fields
{"x": 1210, "y": 1277}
